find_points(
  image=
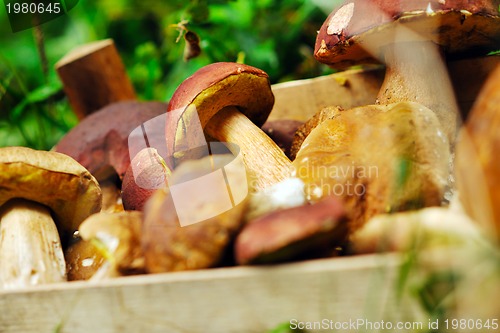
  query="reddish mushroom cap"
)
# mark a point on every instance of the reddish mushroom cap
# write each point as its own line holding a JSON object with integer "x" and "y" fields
{"x": 284, "y": 234}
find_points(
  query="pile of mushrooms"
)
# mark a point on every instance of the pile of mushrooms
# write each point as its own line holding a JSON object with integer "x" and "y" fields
{"x": 213, "y": 184}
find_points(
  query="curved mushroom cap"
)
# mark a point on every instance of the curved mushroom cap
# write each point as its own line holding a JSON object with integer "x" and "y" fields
{"x": 51, "y": 179}
{"x": 460, "y": 27}
{"x": 219, "y": 85}
{"x": 101, "y": 139}
{"x": 284, "y": 234}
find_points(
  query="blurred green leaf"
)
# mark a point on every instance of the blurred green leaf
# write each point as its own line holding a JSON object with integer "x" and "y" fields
{"x": 39, "y": 94}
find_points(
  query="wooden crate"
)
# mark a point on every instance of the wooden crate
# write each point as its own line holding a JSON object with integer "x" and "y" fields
{"x": 236, "y": 299}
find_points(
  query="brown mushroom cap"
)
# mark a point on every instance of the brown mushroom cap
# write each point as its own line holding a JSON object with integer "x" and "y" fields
{"x": 222, "y": 84}
{"x": 83, "y": 260}
{"x": 460, "y": 27}
{"x": 284, "y": 234}
{"x": 303, "y": 131}
{"x": 101, "y": 139}
{"x": 51, "y": 179}
{"x": 219, "y": 85}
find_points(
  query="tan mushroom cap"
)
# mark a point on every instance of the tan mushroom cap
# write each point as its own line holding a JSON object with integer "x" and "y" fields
{"x": 459, "y": 27}
{"x": 51, "y": 179}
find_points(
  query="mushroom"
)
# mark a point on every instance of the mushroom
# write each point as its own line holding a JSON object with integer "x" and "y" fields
{"x": 377, "y": 159}
{"x": 117, "y": 237}
{"x": 93, "y": 76}
{"x": 50, "y": 189}
{"x": 285, "y": 234}
{"x": 192, "y": 223}
{"x": 231, "y": 101}
{"x": 405, "y": 34}
{"x": 478, "y": 164}
{"x": 433, "y": 227}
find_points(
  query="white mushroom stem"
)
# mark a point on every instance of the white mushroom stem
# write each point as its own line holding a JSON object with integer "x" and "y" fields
{"x": 265, "y": 162}
{"x": 30, "y": 247}
{"x": 416, "y": 73}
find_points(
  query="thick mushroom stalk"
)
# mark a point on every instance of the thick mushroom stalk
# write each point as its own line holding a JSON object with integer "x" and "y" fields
{"x": 417, "y": 73}
{"x": 29, "y": 234}
{"x": 229, "y": 101}
{"x": 262, "y": 157}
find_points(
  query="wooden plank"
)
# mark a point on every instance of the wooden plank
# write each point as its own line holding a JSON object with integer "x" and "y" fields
{"x": 300, "y": 100}
{"x": 237, "y": 299}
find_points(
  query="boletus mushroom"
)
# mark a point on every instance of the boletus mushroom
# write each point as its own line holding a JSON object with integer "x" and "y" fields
{"x": 83, "y": 259}
{"x": 40, "y": 192}
{"x": 433, "y": 227}
{"x": 377, "y": 159}
{"x": 409, "y": 37}
{"x": 231, "y": 101}
{"x": 288, "y": 233}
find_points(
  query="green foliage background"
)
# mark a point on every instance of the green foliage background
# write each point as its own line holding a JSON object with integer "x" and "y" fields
{"x": 276, "y": 36}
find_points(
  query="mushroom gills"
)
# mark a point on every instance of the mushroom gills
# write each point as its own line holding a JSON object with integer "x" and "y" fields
{"x": 30, "y": 247}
